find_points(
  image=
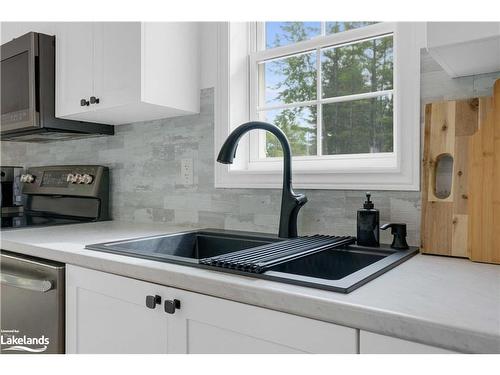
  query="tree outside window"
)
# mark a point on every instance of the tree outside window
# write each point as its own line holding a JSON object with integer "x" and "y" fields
{"x": 350, "y": 111}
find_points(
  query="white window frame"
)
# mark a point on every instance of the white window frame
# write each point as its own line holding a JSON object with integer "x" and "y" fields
{"x": 236, "y": 101}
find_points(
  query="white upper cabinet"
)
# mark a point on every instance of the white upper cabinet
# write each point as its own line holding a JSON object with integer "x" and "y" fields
{"x": 117, "y": 64}
{"x": 134, "y": 71}
{"x": 465, "y": 48}
{"x": 74, "y": 62}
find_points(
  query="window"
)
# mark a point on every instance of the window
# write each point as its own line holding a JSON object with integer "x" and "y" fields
{"x": 333, "y": 99}
{"x": 335, "y": 89}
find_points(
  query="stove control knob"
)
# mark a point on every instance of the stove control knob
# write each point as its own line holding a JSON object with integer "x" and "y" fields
{"x": 77, "y": 178}
{"x": 87, "y": 179}
{"x": 28, "y": 178}
{"x": 72, "y": 178}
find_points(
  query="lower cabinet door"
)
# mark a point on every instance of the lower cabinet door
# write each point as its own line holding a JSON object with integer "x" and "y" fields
{"x": 205, "y": 324}
{"x": 373, "y": 343}
{"x": 106, "y": 313}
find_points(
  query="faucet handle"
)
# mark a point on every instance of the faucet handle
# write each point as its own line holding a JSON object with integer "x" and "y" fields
{"x": 301, "y": 199}
{"x": 399, "y": 232}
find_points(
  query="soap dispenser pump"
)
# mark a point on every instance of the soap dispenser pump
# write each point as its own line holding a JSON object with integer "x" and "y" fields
{"x": 368, "y": 233}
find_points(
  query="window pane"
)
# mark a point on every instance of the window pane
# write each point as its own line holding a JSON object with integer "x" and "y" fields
{"x": 333, "y": 27}
{"x": 358, "y": 126}
{"x": 288, "y": 80}
{"x": 283, "y": 33}
{"x": 357, "y": 68}
{"x": 299, "y": 125}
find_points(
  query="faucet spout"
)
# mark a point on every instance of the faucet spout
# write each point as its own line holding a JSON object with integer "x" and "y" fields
{"x": 291, "y": 202}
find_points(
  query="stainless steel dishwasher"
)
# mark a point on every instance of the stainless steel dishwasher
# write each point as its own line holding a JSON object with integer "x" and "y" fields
{"x": 32, "y": 304}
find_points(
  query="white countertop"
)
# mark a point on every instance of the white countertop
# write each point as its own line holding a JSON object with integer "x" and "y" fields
{"x": 446, "y": 302}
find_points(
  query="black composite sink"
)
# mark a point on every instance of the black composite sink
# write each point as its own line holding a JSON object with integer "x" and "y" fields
{"x": 341, "y": 269}
{"x": 187, "y": 246}
{"x": 330, "y": 264}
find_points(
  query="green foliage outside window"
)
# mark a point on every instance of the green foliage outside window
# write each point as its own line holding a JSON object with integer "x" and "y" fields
{"x": 348, "y": 127}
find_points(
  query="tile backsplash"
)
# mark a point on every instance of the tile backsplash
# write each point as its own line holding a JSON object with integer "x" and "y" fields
{"x": 145, "y": 159}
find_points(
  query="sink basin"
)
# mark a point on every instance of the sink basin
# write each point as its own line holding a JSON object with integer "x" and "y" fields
{"x": 340, "y": 269}
{"x": 187, "y": 246}
{"x": 331, "y": 264}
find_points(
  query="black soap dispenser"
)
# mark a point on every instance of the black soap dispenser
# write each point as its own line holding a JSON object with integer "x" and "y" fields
{"x": 368, "y": 224}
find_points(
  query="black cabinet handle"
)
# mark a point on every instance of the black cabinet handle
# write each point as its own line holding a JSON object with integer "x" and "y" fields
{"x": 171, "y": 305}
{"x": 152, "y": 301}
{"x": 84, "y": 102}
{"x": 94, "y": 100}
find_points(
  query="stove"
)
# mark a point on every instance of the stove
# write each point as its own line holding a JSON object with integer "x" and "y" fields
{"x": 27, "y": 219}
{"x": 64, "y": 194}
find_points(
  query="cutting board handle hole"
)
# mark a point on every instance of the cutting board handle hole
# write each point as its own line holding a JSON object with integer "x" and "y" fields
{"x": 443, "y": 176}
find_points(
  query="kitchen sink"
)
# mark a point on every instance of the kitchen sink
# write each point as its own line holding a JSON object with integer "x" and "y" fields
{"x": 186, "y": 246}
{"x": 341, "y": 269}
{"x": 331, "y": 264}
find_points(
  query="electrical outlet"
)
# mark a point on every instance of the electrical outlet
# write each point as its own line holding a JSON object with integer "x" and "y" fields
{"x": 187, "y": 171}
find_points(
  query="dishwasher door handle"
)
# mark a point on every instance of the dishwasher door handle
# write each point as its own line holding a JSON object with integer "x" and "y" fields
{"x": 26, "y": 283}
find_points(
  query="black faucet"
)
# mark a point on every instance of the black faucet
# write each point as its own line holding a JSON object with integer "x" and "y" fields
{"x": 291, "y": 202}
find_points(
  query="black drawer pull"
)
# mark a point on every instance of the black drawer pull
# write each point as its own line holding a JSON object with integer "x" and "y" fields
{"x": 84, "y": 102}
{"x": 171, "y": 305}
{"x": 152, "y": 301}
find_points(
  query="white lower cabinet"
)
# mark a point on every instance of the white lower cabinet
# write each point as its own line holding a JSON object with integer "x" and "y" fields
{"x": 107, "y": 313}
{"x": 373, "y": 343}
{"x": 212, "y": 325}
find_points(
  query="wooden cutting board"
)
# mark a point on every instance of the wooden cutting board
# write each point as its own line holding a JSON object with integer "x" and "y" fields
{"x": 466, "y": 223}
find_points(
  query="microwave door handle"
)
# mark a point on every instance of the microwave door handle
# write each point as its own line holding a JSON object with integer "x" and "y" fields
{"x": 35, "y": 285}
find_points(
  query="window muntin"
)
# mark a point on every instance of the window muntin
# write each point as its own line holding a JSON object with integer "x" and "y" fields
{"x": 340, "y": 94}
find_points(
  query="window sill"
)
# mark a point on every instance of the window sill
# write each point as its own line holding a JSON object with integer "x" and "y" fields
{"x": 376, "y": 179}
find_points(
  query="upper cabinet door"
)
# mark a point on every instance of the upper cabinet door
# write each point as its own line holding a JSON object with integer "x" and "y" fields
{"x": 117, "y": 64}
{"x": 74, "y": 67}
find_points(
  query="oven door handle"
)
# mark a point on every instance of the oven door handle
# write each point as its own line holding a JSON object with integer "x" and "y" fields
{"x": 35, "y": 285}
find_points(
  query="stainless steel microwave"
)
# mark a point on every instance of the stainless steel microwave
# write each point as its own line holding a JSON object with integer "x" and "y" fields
{"x": 28, "y": 94}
